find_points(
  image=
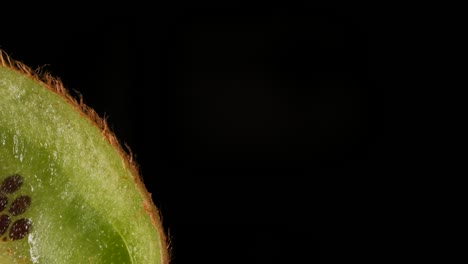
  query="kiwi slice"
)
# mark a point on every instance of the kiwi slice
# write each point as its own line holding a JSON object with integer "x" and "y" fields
{"x": 69, "y": 193}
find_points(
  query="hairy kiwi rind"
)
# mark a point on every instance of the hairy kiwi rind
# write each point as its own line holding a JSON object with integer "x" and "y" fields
{"x": 55, "y": 85}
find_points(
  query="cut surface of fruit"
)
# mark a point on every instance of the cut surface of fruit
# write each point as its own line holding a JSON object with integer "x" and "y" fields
{"x": 68, "y": 192}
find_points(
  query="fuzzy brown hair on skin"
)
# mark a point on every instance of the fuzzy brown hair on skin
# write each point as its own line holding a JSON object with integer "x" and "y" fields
{"x": 56, "y": 86}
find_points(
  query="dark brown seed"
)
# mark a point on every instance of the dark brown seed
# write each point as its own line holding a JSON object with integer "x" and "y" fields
{"x": 20, "y": 205}
{"x": 11, "y": 183}
{"x": 20, "y": 229}
{"x": 3, "y": 202}
{"x": 4, "y": 224}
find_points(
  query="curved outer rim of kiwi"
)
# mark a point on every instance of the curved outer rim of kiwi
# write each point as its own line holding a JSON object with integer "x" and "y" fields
{"x": 56, "y": 86}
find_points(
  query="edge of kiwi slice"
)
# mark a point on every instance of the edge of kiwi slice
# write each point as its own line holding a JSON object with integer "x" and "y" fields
{"x": 69, "y": 191}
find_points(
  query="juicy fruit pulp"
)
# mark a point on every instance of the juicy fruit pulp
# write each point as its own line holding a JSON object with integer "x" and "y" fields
{"x": 68, "y": 193}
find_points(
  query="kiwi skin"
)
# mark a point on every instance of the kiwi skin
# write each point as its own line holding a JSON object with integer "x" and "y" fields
{"x": 55, "y": 85}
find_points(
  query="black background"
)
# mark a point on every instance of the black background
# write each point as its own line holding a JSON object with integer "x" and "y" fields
{"x": 261, "y": 135}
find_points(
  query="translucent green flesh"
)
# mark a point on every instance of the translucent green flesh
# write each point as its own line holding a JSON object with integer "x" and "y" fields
{"x": 85, "y": 207}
